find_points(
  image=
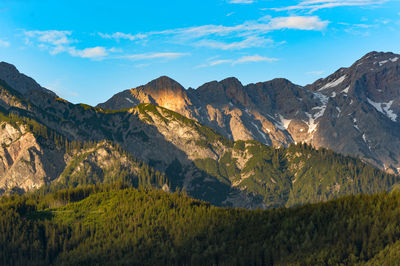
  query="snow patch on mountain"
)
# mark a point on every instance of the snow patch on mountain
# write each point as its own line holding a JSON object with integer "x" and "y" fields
{"x": 324, "y": 99}
{"x": 311, "y": 123}
{"x": 384, "y": 108}
{"x": 381, "y": 63}
{"x": 284, "y": 122}
{"x": 260, "y": 131}
{"x": 394, "y": 59}
{"x": 346, "y": 90}
{"x": 334, "y": 83}
{"x": 319, "y": 112}
{"x": 355, "y": 124}
{"x": 364, "y": 137}
{"x": 129, "y": 100}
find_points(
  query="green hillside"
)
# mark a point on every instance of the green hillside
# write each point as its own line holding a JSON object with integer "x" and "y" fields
{"x": 103, "y": 224}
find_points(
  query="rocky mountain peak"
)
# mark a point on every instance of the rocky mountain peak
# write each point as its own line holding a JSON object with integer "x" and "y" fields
{"x": 355, "y": 110}
{"x": 163, "y": 83}
{"x": 229, "y": 90}
{"x": 231, "y": 82}
{"x": 374, "y": 55}
{"x": 164, "y": 92}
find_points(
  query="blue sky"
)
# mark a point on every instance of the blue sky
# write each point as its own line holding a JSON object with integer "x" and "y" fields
{"x": 86, "y": 51}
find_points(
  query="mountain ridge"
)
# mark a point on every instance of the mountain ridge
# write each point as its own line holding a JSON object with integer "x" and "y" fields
{"x": 232, "y": 168}
{"x": 278, "y": 112}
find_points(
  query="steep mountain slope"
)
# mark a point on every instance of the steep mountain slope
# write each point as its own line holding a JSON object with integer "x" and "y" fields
{"x": 208, "y": 165}
{"x": 361, "y": 114}
{"x": 353, "y": 111}
{"x": 32, "y": 156}
{"x": 235, "y": 111}
{"x": 192, "y": 156}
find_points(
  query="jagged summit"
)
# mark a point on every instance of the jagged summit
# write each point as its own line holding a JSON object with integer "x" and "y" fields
{"x": 376, "y": 55}
{"x": 355, "y": 110}
{"x": 162, "y": 91}
{"x": 162, "y": 83}
{"x": 231, "y": 81}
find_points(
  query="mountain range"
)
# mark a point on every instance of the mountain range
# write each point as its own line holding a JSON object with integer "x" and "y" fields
{"x": 262, "y": 145}
{"x": 353, "y": 111}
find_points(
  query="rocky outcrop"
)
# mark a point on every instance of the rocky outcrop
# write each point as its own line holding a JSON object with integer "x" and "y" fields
{"x": 25, "y": 163}
{"x": 353, "y": 111}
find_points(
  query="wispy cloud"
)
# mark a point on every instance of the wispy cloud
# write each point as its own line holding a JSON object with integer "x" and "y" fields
{"x": 147, "y": 56}
{"x": 253, "y": 59}
{"x": 4, "y": 43}
{"x": 358, "y": 29}
{"x": 241, "y": 1}
{"x": 241, "y": 36}
{"x": 121, "y": 35}
{"x": 263, "y": 25}
{"x": 52, "y": 37}
{"x": 298, "y": 22}
{"x": 93, "y": 52}
{"x": 59, "y": 42}
{"x": 252, "y": 41}
{"x": 219, "y": 62}
{"x": 244, "y": 59}
{"x": 314, "y": 5}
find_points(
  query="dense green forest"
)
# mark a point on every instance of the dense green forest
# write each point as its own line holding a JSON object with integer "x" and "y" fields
{"x": 295, "y": 175}
{"x": 114, "y": 224}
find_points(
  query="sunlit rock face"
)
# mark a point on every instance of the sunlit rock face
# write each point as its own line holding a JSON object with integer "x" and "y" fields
{"x": 353, "y": 111}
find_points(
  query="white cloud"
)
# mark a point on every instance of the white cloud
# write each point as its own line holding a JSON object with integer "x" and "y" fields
{"x": 93, "y": 52}
{"x": 298, "y": 22}
{"x": 221, "y": 61}
{"x": 262, "y": 26}
{"x": 60, "y": 42}
{"x": 121, "y": 35}
{"x": 241, "y": 60}
{"x": 240, "y": 36}
{"x": 52, "y": 37}
{"x": 314, "y": 5}
{"x": 254, "y": 58}
{"x": 241, "y": 1}
{"x": 252, "y": 41}
{"x": 147, "y": 56}
{"x": 4, "y": 43}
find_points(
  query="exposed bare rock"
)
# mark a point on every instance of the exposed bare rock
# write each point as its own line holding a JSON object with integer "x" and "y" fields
{"x": 354, "y": 111}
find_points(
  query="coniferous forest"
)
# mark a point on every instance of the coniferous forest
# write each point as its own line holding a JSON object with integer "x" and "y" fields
{"x": 117, "y": 224}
